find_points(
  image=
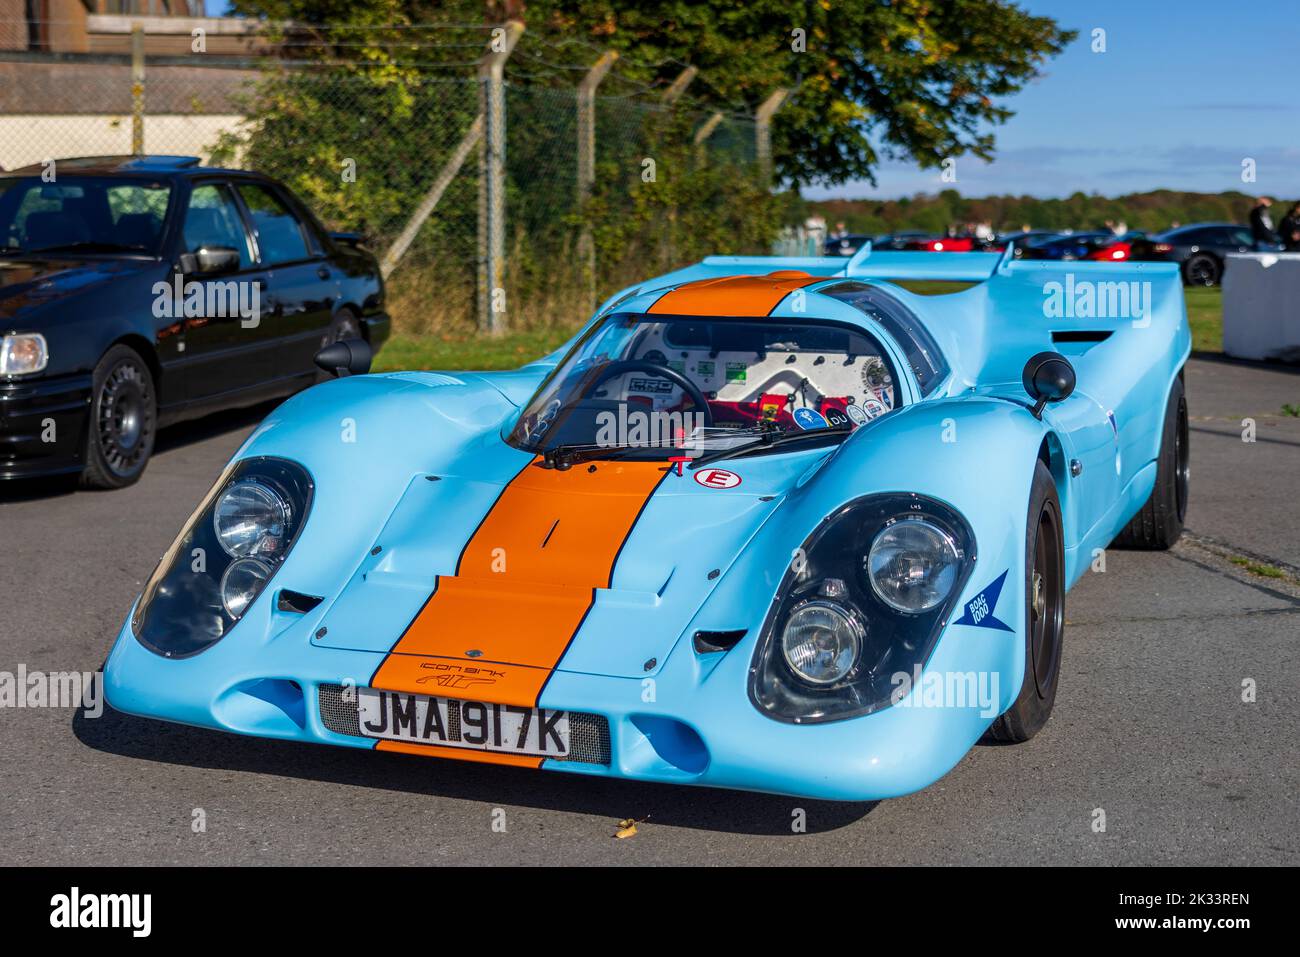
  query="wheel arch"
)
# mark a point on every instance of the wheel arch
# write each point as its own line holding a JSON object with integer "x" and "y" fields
{"x": 146, "y": 350}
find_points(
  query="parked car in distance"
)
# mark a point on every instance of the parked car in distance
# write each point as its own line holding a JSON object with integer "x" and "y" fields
{"x": 1200, "y": 249}
{"x": 1025, "y": 238}
{"x": 1068, "y": 246}
{"x": 845, "y": 245}
{"x": 137, "y": 291}
{"x": 896, "y": 242}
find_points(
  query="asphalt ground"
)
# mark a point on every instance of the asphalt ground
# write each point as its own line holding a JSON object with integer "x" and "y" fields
{"x": 1150, "y": 727}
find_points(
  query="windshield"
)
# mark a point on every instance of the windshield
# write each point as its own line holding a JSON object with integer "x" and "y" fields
{"x": 82, "y": 214}
{"x": 653, "y": 385}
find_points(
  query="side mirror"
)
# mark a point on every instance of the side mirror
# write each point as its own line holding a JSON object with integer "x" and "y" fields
{"x": 1048, "y": 377}
{"x": 345, "y": 357}
{"x": 210, "y": 260}
{"x": 348, "y": 239}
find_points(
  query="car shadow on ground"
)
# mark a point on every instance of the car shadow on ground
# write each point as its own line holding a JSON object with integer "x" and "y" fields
{"x": 1268, "y": 365}
{"x": 710, "y": 809}
{"x": 170, "y": 439}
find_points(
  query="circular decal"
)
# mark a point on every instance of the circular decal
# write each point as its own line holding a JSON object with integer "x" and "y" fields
{"x": 836, "y": 418}
{"x": 808, "y": 419}
{"x": 717, "y": 478}
{"x": 857, "y": 415}
{"x": 873, "y": 408}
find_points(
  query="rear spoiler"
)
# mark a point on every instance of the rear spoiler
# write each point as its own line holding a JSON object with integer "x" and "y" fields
{"x": 950, "y": 267}
{"x": 866, "y": 264}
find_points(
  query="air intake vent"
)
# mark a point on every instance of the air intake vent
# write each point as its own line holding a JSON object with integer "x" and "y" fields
{"x": 707, "y": 642}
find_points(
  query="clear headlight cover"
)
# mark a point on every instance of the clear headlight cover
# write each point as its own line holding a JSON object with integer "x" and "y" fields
{"x": 242, "y": 582}
{"x": 913, "y": 565}
{"x": 224, "y": 557}
{"x": 801, "y": 670}
{"x": 23, "y": 353}
{"x": 251, "y": 519}
{"x": 820, "y": 641}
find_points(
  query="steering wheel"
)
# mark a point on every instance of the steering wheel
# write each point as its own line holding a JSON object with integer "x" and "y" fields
{"x": 621, "y": 366}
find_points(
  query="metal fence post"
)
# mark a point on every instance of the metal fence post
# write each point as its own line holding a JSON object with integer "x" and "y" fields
{"x": 706, "y": 128}
{"x": 137, "y": 89}
{"x": 763, "y": 133}
{"x": 587, "y": 164}
{"x": 679, "y": 85}
{"x": 492, "y": 185}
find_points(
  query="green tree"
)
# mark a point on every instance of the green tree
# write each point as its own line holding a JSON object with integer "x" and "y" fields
{"x": 907, "y": 78}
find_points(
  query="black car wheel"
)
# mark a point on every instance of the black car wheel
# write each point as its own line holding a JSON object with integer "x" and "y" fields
{"x": 123, "y": 420}
{"x": 1044, "y": 615}
{"x": 1159, "y": 523}
{"x": 1202, "y": 269}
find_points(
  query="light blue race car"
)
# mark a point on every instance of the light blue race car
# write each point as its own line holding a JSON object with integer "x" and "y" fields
{"x": 772, "y": 524}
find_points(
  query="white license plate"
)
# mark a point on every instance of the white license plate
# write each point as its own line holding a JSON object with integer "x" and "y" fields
{"x": 479, "y": 725}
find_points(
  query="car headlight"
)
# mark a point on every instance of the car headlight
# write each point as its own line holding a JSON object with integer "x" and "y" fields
{"x": 23, "y": 353}
{"x": 251, "y": 519}
{"x": 242, "y": 582}
{"x": 876, "y": 584}
{"x": 224, "y": 557}
{"x": 820, "y": 641}
{"x": 913, "y": 565}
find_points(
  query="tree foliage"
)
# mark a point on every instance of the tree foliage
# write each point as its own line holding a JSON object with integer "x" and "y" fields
{"x": 909, "y": 78}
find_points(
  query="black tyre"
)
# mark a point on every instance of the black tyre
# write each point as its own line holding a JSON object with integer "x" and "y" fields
{"x": 1044, "y": 615}
{"x": 1159, "y": 523}
{"x": 1202, "y": 269}
{"x": 345, "y": 326}
{"x": 123, "y": 420}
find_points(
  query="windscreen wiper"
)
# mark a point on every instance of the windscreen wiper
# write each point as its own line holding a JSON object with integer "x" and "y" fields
{"x": 772, "y": 440}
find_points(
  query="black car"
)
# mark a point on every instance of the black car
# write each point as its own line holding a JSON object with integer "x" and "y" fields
{"x": 140, "y": 291}
{"x": 845, "y": 245}
{"x": 1201, "y": 248}
{"x": 1067, "y": 246}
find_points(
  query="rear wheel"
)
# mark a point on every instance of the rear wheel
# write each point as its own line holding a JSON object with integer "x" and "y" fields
{"x": 123, "y": 420}
{"x": 1044, "y": 615}
{"x": 1202, "y": 269}
{"x": 1159, "y": 523}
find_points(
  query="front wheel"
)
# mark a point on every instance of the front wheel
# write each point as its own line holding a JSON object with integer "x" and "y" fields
{"x": 1044, "y": 615}
{"x": 123, "y": 420}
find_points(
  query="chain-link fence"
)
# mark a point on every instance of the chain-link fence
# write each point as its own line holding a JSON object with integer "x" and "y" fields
{"x": 402, "y": 157}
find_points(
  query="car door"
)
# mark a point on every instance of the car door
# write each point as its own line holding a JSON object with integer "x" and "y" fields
{"x": 302, "y": 285}
{"x": 226, "y": 347}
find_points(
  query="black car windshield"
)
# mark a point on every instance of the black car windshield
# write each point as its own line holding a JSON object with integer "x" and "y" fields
{"x": 78, "y": 214}
{"x": 652, "y": 386}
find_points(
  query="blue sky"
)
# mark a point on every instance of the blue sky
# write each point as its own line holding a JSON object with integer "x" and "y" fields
{"x": 1185, "y": 90}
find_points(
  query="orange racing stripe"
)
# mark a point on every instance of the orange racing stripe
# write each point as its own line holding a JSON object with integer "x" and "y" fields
{"x": 732, "y": 295}
{"x": 525, "y": 581}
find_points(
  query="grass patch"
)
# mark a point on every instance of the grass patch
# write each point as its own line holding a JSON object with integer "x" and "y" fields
{"x": 1258, "y": 568}
{"x": 1205, "y": 316}
{"x": 469, "y": 350}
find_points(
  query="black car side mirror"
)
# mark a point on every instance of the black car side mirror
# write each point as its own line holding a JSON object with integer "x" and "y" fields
{"x": 345, "y": 357}
{"x": 348, "y": 239}
{"x": 1048, "y": 377}
{"x": 210, "y": 260}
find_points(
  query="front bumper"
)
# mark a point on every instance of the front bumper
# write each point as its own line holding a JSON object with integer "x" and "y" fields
{"x": 42, "y": 425}
{"x": 695, "y": 725}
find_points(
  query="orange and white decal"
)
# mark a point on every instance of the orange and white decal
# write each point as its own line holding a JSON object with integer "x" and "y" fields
{"x": 525, "y": 581}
